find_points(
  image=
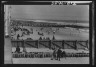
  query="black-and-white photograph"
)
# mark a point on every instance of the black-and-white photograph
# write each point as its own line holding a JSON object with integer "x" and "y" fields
{"x": 46, "y": 34}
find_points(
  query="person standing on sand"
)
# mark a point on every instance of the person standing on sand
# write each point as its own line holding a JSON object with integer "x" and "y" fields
{"x": 64, "y": 54}
{"x": 54, "y": 54}
{"x": 59, "y": 54}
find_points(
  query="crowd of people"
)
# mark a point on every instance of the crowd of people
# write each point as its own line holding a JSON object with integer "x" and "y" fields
{"x": 22, "y": 29}
{"x": 25, "y": 31}
{"x": 56, "y": 55}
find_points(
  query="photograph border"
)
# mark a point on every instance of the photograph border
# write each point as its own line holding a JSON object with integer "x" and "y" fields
{"x": 91, "y": 22}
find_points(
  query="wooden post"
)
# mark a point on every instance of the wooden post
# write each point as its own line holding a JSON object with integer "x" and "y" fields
{"x": 17, "y": 43}
{"x": 37, "y": 44}
{"x": 63, "y": 44}
{"x": 23, "y": 44}
{"x": 87, "y": 44}
{"x": 50, "y": 43}
{"x": 75, "y": 44}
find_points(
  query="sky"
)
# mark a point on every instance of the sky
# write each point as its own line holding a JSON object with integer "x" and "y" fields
{"x": 50, "y": 12}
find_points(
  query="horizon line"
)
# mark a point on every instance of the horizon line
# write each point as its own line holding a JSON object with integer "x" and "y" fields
{"x": 49, "y": 19}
